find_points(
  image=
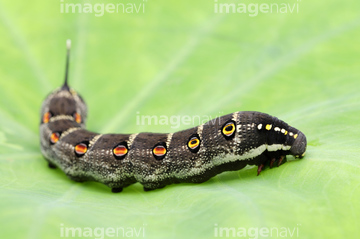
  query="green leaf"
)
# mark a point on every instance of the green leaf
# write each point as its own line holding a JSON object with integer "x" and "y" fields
{"x": 182, "y": 59}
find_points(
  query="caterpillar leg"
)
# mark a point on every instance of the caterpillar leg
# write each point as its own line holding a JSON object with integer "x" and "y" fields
{"x": 273, "y": 161}
{"x": 260, "y": 168}
{"x": 51, "y": 165}
{"x": 282, "y": 160}
{"x": 116, "y": 190}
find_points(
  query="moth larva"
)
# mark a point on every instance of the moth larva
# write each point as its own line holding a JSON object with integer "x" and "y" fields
{"x": 228, "y": 143}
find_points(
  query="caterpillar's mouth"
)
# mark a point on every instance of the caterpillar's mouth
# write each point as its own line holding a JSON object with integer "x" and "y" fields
{"x": 299, "y": 146}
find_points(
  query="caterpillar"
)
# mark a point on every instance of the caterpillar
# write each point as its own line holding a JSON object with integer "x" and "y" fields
{"x": 194, "y": 155}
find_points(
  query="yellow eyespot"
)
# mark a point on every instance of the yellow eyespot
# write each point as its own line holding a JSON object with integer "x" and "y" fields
{"x": 229, "y": 129}
{"x": 194, "y": 142}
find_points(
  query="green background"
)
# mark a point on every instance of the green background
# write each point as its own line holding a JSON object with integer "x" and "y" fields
{"x": 180, "y": 58}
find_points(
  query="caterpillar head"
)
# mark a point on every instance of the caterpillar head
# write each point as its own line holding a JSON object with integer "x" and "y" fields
{"x": 64, "y": 101}
{"x": 299, "y": 146}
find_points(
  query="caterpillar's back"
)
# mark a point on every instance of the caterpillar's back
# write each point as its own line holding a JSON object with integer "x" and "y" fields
{"x": 227, "y": 143}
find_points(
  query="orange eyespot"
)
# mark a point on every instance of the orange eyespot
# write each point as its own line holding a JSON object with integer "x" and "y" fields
{"x": 77, "y": 118}
{"x": 54, "y": 137}
{"x": 120, "y": 151}
{"x": 46, "y": 117}
{"x": 159, "y": 151}
{"x": 81, "y": 149}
